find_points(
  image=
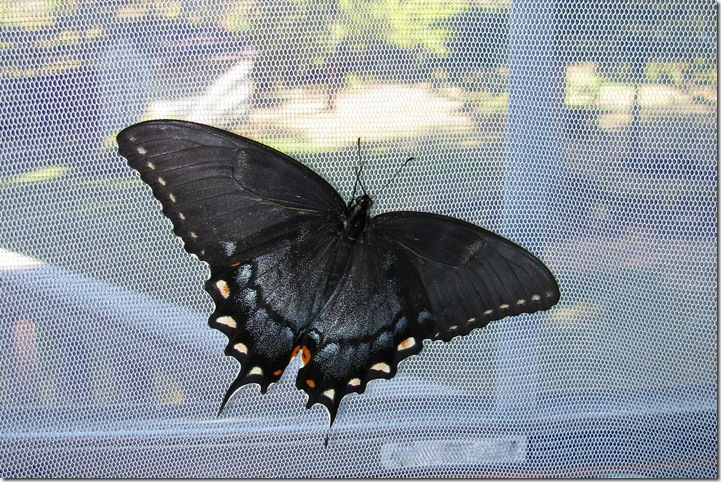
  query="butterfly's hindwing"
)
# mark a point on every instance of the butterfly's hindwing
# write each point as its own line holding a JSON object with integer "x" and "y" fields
{"x": 263, "y": 304}
{"x": 367, "y": 326}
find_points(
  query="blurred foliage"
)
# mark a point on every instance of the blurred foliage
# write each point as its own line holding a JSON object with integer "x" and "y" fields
{"x": 634, "y": 32}
{"x": 28, "y": 15}
{"x": 333, "y": 43}
{"x": 412, "y": 24}
{"x": 293, "y": 40}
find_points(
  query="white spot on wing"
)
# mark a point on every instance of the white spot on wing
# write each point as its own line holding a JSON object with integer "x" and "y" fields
{"x": 503, "y": 306}
{"x": 151, "y": 165}
{"x": 471, "y": 320}
{"x": 240, "y": 348}
{"x": 227, "y": 321}
{"x": 354, "y": 382}
{"x": 535, "y": 297}
{"x": 381, "y": 367}
{"x": 488, "y": 312}
{"x": 181, "y": 216}
{"x": 521, "y": 301}
{"x": 141, "y": 150}
{"x": 171, "y": 197}
{"x": 256, "y": 371}
{"x": 223, "y": 288}
{"x": 406, "y": 344}
{"x": 193, "y": 235}
{"x": 329, "y": 394}
{"x": 162, "y": 181}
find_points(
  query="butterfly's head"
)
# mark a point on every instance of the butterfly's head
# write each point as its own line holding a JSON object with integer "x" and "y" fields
{"x": 363, "y": 203}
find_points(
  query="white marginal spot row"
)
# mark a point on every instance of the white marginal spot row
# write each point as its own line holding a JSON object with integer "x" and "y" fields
{"x": 161, "y": 181}
{"x": 255, "y": 371}
{"x": 354, "y": 382}
{"x": 142, "y": 151}
{"x": 329, "y": 394}
{"x": 520, "y": 302}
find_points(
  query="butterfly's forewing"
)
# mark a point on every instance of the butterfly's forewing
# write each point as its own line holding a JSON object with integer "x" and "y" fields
{"x": 226, "y": 195}
{"x": 265, "y": 223}
{"x": 470, "y": 276}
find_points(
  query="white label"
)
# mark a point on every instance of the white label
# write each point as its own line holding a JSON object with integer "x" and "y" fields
{"x": 425, "y": 453}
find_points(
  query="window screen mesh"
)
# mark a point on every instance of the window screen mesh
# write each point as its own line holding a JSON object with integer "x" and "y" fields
{"x": 585, "y": 131}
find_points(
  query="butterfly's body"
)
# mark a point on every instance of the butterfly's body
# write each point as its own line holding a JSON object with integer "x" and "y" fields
{"x": 357, "y": 218}
{"x": 294, "y": 270}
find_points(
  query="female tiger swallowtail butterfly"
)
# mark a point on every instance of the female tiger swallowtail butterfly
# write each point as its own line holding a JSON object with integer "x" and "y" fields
{"x": 294, "y": 269}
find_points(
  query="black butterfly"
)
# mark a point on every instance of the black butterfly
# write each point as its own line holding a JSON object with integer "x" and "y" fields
{"x": 294, "y": 269}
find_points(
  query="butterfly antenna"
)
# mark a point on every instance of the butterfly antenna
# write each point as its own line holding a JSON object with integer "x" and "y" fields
{"x": 355, "y": 186}
{"x": 358, "y": 174}
{"x": 395, "y": 174}
{"x": 360, "y": 171}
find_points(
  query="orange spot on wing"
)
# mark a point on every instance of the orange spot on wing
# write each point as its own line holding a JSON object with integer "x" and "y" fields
{"x": 278, "y": 373}
{"x": 295, "y": 352}
{"x": 310, "y": 383}
{"x": 304, "y": 355}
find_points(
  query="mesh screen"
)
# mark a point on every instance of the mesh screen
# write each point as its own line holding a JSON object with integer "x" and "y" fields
{"x": 584, "y": 131}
